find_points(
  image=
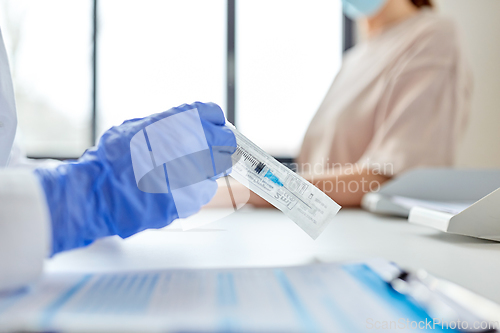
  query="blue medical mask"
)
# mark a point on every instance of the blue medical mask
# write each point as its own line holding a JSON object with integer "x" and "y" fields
{"x": 355, "y": 9}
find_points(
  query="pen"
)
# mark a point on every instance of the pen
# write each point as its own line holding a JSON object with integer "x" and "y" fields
{"x": 445, "y": 301}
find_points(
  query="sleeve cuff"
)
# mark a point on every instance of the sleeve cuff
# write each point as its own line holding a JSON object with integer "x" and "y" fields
{"x": 24, "y": 228}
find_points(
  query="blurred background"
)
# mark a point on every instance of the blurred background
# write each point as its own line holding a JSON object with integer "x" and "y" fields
{"x": 82, "y": 66}
{"x": 480, "y": 27}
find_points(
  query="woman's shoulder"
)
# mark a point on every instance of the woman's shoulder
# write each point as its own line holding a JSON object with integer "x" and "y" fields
{"x": 426, "y": 31}
{"x": 435, "y": 30}
{"x": 426, "y": 39}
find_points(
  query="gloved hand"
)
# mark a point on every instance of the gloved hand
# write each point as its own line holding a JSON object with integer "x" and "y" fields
{"x": 143, "y": 174}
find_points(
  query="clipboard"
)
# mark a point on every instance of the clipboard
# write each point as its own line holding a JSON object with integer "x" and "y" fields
{"x": 450, "y": 305}
{"x": 432, "y": 184}
{"x": 480, "y": 220}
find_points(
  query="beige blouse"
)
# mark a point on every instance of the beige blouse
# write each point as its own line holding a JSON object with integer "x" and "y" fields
{"x": 401, "y": 98}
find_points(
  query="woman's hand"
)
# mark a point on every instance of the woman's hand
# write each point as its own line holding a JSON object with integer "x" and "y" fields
{"x": 347, "y": 188}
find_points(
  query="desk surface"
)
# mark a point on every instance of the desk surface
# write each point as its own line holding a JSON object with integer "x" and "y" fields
{"x": 252, "y": 238}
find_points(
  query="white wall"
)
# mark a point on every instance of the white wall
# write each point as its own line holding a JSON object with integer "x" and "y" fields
{"x": 480, "y": 25}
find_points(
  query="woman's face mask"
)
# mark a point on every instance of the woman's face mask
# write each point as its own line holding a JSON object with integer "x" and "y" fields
{"x": 355, "y": 9}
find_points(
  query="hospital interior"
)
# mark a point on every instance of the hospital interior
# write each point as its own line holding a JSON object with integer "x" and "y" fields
{"x": 249, "y": 166}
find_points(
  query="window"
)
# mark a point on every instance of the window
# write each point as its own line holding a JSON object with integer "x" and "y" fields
{"x": 48, "y": 44}
{"x": 287, "y": 52}
{"x": 155, "y": 54}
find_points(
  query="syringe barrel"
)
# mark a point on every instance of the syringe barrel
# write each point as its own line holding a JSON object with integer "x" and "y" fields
{"x": 306, "y": 205}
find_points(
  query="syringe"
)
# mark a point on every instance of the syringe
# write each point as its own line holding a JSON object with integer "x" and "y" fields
{"x": 306, "y": 205}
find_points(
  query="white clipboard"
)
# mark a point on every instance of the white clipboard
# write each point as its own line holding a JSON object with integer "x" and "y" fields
{"x": 432, "y": 184}
{"x": 480, "y": 220}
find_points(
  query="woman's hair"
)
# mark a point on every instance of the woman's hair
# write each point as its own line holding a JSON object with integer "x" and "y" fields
{"x": 422, "y": 3}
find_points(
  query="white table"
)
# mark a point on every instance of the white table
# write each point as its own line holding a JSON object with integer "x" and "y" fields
{"x": 252, "y": 238}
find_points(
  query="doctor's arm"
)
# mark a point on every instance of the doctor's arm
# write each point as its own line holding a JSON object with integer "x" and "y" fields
{"x": 24, "y": 228}
{"x": 143, "y": 174}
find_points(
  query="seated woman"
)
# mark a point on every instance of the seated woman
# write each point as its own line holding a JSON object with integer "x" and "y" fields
{"x": 401, "y": 100}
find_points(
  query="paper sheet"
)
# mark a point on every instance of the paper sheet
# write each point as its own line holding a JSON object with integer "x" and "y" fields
{"x": 313, "y": 298}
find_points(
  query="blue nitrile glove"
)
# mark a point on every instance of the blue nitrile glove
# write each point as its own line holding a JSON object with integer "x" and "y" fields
{"x": 143, "y": 174}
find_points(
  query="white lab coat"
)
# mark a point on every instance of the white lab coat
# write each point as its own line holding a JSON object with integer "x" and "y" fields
{"x": 24, "y": 215}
